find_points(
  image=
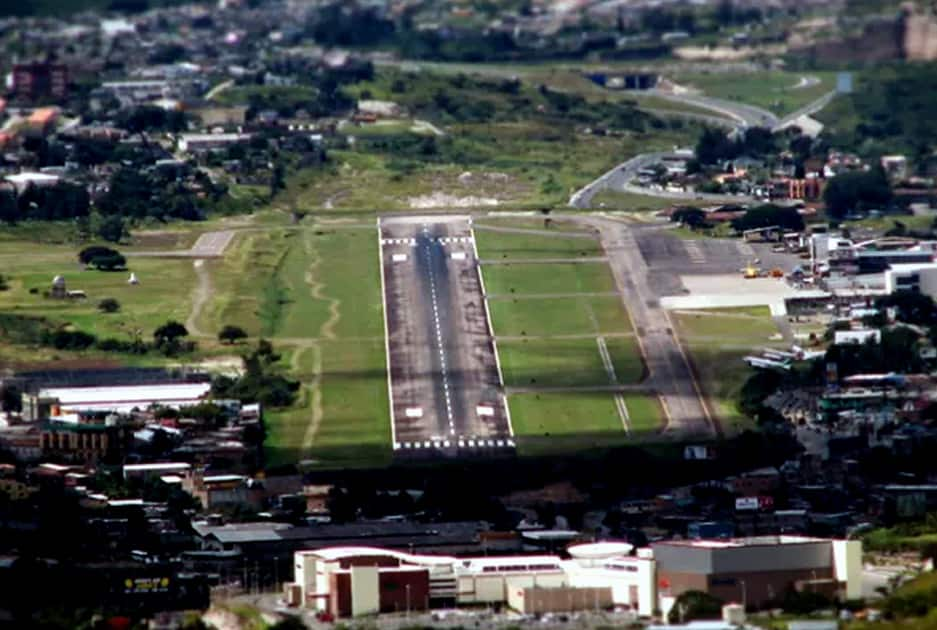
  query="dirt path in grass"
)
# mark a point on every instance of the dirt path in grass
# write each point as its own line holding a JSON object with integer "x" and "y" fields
{"x": 326, "y": 332}
{"x": 200, "y": 296}
{"x": 315, "y": 394}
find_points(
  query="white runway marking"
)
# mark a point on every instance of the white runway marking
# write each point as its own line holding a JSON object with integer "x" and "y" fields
{"x": 444, "y": 372}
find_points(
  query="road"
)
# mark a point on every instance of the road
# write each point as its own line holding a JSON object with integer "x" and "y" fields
{"x": 446, "y": 391}
{"x": 619, "y": 177}
{"x": 669, "y": 371}
{"x": 744, "y": 115}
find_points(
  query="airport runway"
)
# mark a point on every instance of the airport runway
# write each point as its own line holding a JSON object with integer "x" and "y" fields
{"x": 446, "y": 392}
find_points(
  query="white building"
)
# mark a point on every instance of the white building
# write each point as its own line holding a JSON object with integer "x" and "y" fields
{"x": 366, "y": 580}
{"x": 921, "y": 278}
{"x": 197, "y": 142}
{"x": 123, "y": 398}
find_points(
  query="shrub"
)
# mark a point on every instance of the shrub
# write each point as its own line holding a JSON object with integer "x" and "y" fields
{"x": 108, "y": 305}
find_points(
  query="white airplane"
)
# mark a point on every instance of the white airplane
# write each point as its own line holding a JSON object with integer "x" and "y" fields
{"x": 766, "y": 364}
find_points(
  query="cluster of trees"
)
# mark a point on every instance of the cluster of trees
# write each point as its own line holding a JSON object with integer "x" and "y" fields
{"x": 887, "y": 112}
{"x": 102, "y": 258}
{"x": 714, "y": 146}
{"x": 60, "y": 201}
{"x": 168, "y": 339}
{"x": 768, "y": 215}
{"x": 261, "y": 381}
{"x": 857, "y": 191}
{"x": 152, "y": 118}
{"x": 139, "y": 193}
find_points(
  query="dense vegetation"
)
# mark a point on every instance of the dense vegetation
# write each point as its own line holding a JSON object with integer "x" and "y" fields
{"x": 24, "y": 8}
{"x": 890, "y": 110}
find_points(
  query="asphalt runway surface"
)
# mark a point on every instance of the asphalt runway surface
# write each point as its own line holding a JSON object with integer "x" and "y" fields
{"x": 446, "y": 392}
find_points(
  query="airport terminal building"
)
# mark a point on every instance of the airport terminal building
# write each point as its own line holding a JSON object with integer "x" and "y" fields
{"x": 354, "y": 581}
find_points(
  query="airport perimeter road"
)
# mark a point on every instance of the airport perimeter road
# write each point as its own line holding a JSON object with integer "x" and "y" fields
{"x": 619, "y": 177}
{"x": 744, "y": 115}
{"x": 668, "y": 368}
{"x": 445, "y": 385}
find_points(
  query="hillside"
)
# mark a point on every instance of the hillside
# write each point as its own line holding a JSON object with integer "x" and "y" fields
{"x": 888, "y": 111}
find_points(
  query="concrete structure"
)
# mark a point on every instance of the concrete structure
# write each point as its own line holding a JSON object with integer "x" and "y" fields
{"x": 40, "y": 80}
{"x": 199, "y": 142}
{"x": 537, "y": 601}
{"x": 596, "y": 576}
{"x": 86, "y": 442}
{"x": 148, "y": 471}
{"x": 755, "y": 571}
{"x": 920, "y": 278}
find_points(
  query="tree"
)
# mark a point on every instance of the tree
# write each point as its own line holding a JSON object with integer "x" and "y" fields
{"x": 277, "y": 178}
{"x": 691, "y": 605}
{"x": 4, "y": 285}
{"x": 112, "y": 228}
{"x": 108, "y": 305}
{"x": 110, "y": 262}
{"x": 714, "y": 146}
{"x": 689, "y": 216}
{"x": 170, "y": 332}
{"x": 787, "y": 219}
{"x": 86, "y": 255}
{"x": 231, "y": 334}
{"x": 856, "y": 190}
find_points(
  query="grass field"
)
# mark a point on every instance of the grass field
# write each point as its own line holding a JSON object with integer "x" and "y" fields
{"x": 562, "y": 278}
{"x": 545, "y": 317}
{"x": 164, "y": 291}
{"x": 721, "y": 337}
{"x": 553, "y": 424}
{"x": 568, "y": 362}
{"x": 316, "y": 292}
{"x": 770, "y": 90}
{"x": 502, "y": 245}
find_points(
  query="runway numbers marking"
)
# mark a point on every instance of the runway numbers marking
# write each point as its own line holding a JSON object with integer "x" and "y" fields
{"x": 458, "y": 255}
{"x": 485, "y": 410}
{"x": 399, "y": 258}
{"x": 414, "y": 412}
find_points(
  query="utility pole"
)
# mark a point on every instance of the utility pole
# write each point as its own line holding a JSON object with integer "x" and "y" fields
{"x": 408, "y": 600}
